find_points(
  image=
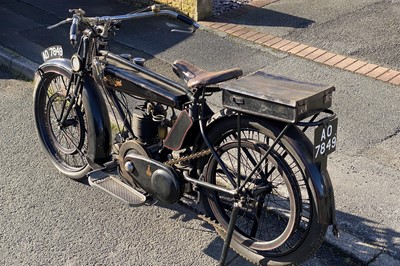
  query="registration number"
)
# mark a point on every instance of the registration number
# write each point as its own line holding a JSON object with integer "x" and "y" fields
{"x": 325, "y": 140}
{"x": 51, "y": 52}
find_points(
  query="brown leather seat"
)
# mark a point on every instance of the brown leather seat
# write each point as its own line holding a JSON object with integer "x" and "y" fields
{"x": 197, "y": 77}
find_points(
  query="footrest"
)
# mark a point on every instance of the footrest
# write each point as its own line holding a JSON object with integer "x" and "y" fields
{"x": 116, "y": 188}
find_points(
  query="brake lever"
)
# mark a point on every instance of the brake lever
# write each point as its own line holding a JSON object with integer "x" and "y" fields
{"x": 59, "y": 23}
{"x": 183, "y": 31}
{"x": 191, "y": 31}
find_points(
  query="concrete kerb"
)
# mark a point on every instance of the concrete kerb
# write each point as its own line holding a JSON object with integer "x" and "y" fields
{"x": 17, "y": 63}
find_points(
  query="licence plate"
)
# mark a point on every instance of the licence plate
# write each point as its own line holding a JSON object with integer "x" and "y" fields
{"x": 51, "y": 52}
{"x": 325, "y": 140}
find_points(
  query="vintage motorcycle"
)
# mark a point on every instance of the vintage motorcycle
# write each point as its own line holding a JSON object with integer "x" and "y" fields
{"x": 262, "y": 182}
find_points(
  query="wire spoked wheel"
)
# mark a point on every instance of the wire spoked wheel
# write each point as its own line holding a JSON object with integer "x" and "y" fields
{"x": 270, "y": 200}
{"x": 69, "y": 137}
{"x": 277, "y": 222}
{"x": 65, "y": 141}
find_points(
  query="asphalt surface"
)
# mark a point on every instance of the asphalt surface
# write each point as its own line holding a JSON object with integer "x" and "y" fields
{"x": 48, "y": 219}
{"x": 364, "y": 169}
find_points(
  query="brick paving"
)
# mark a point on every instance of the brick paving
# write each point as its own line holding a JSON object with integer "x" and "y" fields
{"x": 315, "y": 54}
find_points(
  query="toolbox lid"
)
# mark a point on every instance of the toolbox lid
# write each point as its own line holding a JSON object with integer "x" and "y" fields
{"x": 276, "y": 88}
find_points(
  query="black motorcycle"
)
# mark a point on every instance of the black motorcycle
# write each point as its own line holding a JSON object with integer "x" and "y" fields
{"x": 263, "y": 184}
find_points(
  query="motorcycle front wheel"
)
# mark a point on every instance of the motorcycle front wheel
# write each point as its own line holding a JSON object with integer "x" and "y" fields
{"x": 277, "y": 220}
{"x": 64, "y": 143}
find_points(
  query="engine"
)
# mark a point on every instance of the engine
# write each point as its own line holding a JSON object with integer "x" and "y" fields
{"x": 149, "y": 124}
{"x": 139, "y": 159}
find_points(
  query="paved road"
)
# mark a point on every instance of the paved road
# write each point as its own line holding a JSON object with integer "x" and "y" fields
{"x": 47, "y": 219}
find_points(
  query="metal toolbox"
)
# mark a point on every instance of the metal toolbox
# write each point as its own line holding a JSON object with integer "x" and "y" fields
{"x": 276, "y": 97}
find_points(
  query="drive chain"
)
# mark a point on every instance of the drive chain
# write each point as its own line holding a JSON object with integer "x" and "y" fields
{"x": 188, "y": 157}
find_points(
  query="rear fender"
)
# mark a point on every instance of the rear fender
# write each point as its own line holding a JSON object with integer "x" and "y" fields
{"x": 98, "y": 120}
{"x": 301, "y": 148}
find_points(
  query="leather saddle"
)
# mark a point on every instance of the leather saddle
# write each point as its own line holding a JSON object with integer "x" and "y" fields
{"x": 197, "y": 77}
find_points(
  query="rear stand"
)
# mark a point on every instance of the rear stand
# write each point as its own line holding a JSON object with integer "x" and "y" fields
{"x": 240, "y": 186}
{"x": 229, "y": 233}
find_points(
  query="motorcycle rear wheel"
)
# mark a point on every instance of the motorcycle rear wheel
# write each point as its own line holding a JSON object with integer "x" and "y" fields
{"x": 266, "y": 232}
{"x": 65, "y": 145}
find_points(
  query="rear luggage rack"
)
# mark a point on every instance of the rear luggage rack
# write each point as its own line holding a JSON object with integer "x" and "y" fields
{"x": 276, "y": 97}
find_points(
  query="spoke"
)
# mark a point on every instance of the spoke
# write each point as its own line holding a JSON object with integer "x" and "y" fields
{"x": 276, "y": 176}
{"x": 53, "y": 108}
{"x": 251, "y": 159}
{"x": 256, "y": 221}
{"x": 229, "y": 155}
{"x": 277, "y": 184}
{"x": 77, "y": 148}
{"x": 275, "y": 202}
{"x": 223, "y": 177}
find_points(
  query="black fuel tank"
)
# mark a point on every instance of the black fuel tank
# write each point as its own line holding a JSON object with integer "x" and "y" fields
{"x": 144, "y": 86}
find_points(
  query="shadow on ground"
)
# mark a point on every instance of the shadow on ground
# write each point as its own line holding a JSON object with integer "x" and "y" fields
{"x": 370, "y": 232}
{"x": 264, "y": 17}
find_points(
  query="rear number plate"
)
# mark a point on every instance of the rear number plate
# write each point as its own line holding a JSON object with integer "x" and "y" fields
{"x": 325, "y": 140}
{"x": 55, "y": 51}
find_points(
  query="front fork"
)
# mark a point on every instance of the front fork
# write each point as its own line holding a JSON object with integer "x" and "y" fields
{"x": 76, "y": 84}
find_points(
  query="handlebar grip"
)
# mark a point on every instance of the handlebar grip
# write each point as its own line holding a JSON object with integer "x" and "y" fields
{"x": 72, "y": 30}
{"x": 185, "y": 19}
{"x": 188, "y": 20}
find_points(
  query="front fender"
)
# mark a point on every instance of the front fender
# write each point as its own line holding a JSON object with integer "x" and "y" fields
{"x": 98, "y": 120}
{"x": 301, "y": 148}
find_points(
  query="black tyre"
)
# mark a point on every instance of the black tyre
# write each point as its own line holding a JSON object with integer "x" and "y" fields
{"x": 277, "y": 222}
{"x": 65, "y": 144}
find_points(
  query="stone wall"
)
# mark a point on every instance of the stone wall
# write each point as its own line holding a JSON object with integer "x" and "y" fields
{"x": 196, "y": 9}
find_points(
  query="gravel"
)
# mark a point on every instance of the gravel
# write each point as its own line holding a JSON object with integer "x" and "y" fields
{"x": 222, "y": 6}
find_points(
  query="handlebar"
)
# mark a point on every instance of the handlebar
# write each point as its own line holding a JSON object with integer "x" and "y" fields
{"x": 169, "y": 13}
{"x": 78, "y": 18}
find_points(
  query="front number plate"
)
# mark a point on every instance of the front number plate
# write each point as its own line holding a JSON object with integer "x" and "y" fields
{"x": 55, "y": 51}
{"x": 325, "y": 140}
